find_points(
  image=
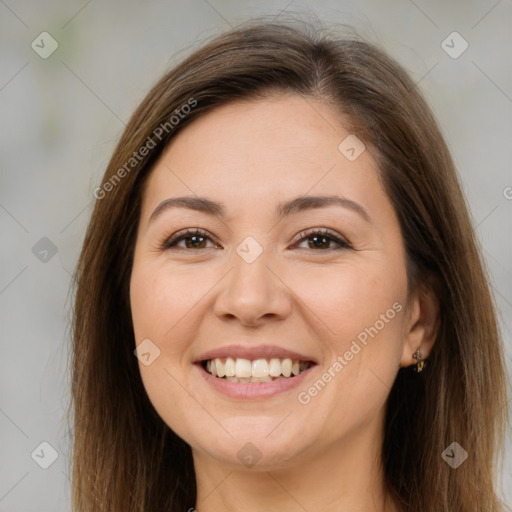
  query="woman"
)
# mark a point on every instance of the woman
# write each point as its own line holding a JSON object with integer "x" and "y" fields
{"x": 280, "y": 302}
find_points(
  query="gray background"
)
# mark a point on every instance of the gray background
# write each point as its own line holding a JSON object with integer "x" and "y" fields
{"x": 62, "y": 115}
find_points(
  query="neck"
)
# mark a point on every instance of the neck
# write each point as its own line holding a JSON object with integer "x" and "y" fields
{"x": 345, "y": 476}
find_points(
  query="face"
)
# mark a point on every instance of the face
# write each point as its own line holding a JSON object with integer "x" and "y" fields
{"x": 266, "y": 281}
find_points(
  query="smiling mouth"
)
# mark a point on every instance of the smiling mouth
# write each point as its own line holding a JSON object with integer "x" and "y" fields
{"x": 256, "y": 370}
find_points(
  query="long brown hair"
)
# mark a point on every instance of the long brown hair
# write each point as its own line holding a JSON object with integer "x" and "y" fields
{"x": 125, "y": 458}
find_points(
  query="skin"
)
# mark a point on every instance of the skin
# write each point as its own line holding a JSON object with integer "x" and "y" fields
{"x": 323, "y": 455}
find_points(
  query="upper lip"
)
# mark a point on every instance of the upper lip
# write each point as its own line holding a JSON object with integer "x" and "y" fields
{"x": 252, "y": 353}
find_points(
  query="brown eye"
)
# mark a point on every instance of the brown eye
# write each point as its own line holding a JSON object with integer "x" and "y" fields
{"x": 322, "y": 239}
{"x": 193, "y": 238}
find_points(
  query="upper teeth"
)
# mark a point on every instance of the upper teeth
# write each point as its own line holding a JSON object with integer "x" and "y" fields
{"x": 258, "y": 368}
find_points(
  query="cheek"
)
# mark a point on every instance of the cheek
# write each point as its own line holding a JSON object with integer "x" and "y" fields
{"x": 359, "y": 311}
{"x": 159, "y": 314}
{"x": 162, "y": 304}
{"x": 161, "y": 298}
{"x": 353, "y": 301}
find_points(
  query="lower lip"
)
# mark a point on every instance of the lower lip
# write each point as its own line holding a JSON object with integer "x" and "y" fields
{"x": 253, "y": 390}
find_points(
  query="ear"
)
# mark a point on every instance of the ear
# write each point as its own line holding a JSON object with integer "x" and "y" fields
{"x": 422, "y": 324}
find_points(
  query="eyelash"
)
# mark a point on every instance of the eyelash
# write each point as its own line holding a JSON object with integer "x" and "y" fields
{"x": 171, "y": 242}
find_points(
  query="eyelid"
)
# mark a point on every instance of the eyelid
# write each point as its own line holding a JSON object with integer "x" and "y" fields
{"x": 183, "y": 234}
{"x": 333, "y": 235}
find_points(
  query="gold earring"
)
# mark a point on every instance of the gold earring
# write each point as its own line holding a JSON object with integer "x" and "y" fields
{"x": 418, "y": 367}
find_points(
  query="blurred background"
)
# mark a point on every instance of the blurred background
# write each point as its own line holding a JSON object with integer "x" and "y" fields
{"x": 71, "y": 73}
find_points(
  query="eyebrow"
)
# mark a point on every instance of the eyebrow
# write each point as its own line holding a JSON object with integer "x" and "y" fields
{"x": 284, "y": 209}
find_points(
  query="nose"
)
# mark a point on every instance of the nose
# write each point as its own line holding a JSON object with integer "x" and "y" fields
{"x": 253, "y": 293}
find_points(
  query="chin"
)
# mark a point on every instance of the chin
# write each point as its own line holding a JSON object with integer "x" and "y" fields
{"x": 254, "y": 442}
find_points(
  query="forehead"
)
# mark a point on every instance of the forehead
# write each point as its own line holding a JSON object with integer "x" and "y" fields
{"x": 256, "y": 132}
{"x": 259, "y": 152}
